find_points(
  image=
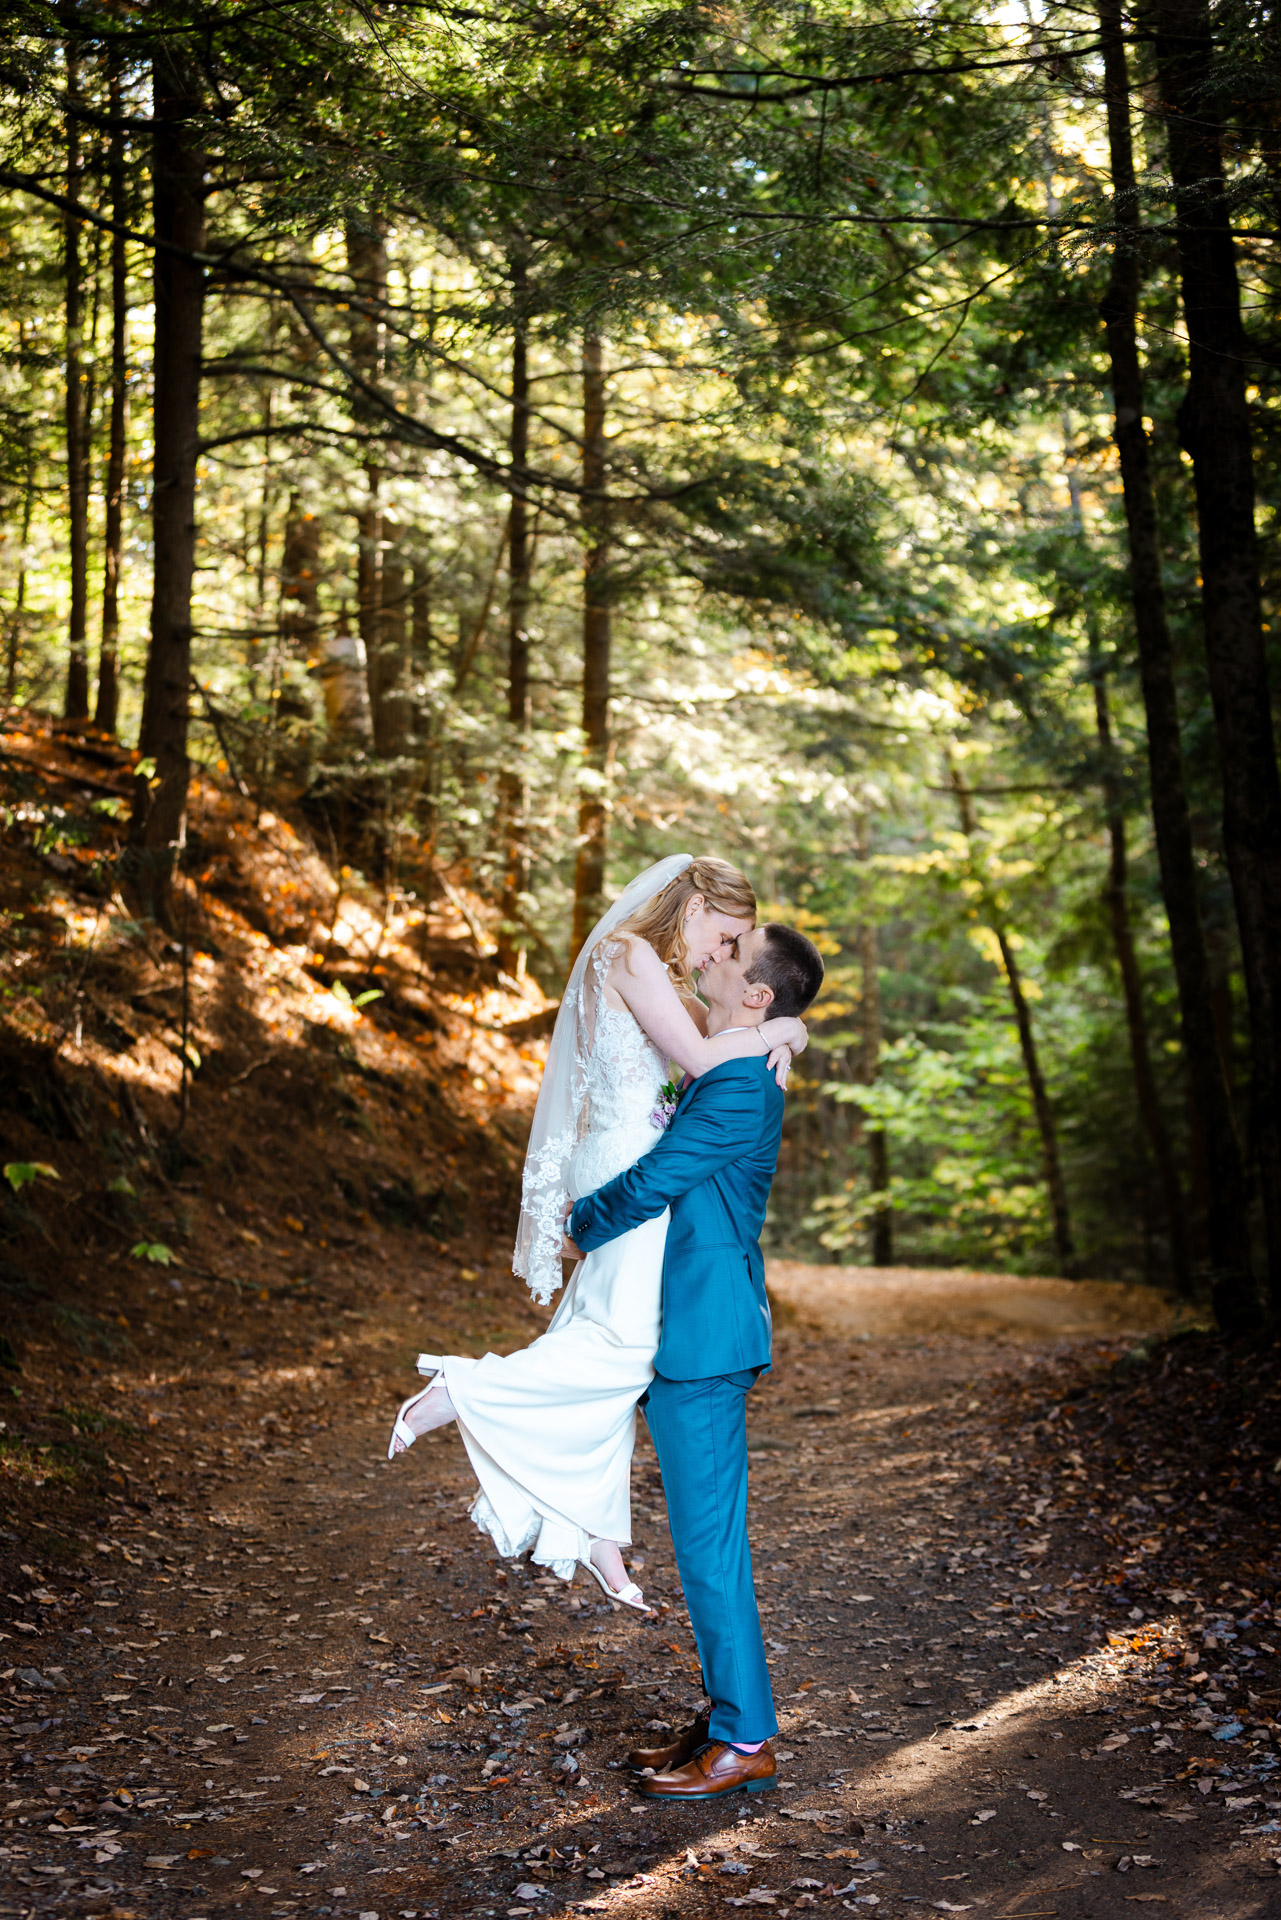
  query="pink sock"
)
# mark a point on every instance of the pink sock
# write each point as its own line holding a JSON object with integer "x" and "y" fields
{"x": 747, "y": 1746}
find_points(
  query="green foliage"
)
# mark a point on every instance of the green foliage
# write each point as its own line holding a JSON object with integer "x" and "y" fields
{"x": 20, "y": 1173}
{"x": 153, "y": 1250}
{"x": 960, "y": 1114}
{"x": 347, "y": 999}
{"x": 863, "y": 511}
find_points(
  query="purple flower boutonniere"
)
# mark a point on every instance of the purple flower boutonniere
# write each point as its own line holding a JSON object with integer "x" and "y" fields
{"x": 664, "y": 1106}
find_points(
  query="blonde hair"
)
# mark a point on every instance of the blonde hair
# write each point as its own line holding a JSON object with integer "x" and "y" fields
{"x": 661, "y": 920}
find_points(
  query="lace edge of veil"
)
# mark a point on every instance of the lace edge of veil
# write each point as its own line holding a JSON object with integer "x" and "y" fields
{"x": 543, "y": 1197}
{"x": 543, "y": 1188}
{"x": 562, "y": 1097}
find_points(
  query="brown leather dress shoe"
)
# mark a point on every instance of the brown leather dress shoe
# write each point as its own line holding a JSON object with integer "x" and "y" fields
{"x": 715, "y": 1769}
{"x": 681, "y": 1749}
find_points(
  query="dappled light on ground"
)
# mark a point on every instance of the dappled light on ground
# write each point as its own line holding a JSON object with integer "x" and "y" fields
{"x": 901, "y": 1301}
{"x": 1002, "y": 1527}
{"x": 321, "y": 1692}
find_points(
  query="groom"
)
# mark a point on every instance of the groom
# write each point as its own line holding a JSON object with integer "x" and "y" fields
{"x": 713, "y": 1168}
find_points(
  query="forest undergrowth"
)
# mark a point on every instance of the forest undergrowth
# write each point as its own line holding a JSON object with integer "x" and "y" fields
{"x": 1018, "y": 1593}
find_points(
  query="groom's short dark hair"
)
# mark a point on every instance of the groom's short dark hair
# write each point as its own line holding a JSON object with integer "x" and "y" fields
{"x": 790, "y": 966}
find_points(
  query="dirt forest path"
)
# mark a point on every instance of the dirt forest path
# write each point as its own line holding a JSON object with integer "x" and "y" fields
{"x": 292, "y": 1680}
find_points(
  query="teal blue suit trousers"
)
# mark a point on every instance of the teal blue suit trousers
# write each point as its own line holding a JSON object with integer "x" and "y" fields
{"x": 713, "y": 1168}
{"x": 699, "y": 1429}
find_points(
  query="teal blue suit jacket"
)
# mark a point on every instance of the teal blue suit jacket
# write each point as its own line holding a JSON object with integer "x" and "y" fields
{"x": 713, "y": 1168}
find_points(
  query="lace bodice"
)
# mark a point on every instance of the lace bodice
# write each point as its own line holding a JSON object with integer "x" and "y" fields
{"x": 619, "y": 1073}
{"x": 624, "y": 1073}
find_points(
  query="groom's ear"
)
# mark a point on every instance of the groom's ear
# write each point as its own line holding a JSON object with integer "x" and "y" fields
{"x": 758, "y": 996}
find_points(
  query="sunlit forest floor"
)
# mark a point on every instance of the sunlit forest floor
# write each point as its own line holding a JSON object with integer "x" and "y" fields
{"x": 1015, "y": 1540}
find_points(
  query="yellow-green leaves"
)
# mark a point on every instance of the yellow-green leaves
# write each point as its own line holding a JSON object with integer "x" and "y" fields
{"x": 154, "y": 1250}
{"x": 19, "y": 1173}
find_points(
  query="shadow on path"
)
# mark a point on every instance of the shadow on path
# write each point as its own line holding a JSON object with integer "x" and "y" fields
{"x": 289, "y": 1679}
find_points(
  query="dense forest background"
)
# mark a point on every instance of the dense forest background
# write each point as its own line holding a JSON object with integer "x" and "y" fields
{"x": 519, "y": 443}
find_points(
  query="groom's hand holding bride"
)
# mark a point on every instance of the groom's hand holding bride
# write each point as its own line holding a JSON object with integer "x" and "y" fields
{"x": 568, "y": 1251}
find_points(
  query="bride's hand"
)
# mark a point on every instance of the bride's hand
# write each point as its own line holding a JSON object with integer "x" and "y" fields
{"x": 784, "y": 1030}
{"x": 780, "y": 1065}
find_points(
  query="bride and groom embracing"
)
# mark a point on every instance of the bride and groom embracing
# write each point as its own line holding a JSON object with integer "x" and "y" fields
{"x": 659, "y": 1195}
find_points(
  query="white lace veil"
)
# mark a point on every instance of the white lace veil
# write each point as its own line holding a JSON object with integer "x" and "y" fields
{"x": 562, "y": 1096}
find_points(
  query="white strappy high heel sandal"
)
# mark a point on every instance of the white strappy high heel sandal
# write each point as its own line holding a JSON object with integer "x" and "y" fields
{"x": 431, "y": 1364}
{"x": 628, "y": 1596}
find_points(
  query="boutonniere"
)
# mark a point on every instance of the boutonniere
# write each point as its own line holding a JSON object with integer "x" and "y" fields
{"x": 664, "y": 1106}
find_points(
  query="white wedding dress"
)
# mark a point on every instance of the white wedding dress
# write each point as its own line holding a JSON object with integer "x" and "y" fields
{"x": 550, "y": 1430}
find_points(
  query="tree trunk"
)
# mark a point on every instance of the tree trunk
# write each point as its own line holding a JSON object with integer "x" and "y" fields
{"x": 393, "y": 715}
{"x": 1214, "y": 424}
{"x": 106, "y": 713}
{"x": 300, "y": 580}
{"x": 469, "y": 644}
{"x": 76, "y": 704}
{"x": 345, "y": 686}
{"x": 514, "y": 802}
{"x": 1268, "y": 42}
{"x": 420, "y": 633}
{"x": 1118, "y": 904}
{"x": 1063, "y": 1245}
{"x": 878, "y": 1152}
{"x": 157, "y": 825}
{"x": 1117, "y": 896}
{"x": 262, "y": 649}
{"x": 369, "y": 526}
{"x": 367, "y": 266}
{"x": 422, "y": 642}
{"x": 593, "y": 808}
{"x": 1054, "y": 1182}
{"x": 17, "y": 612}
{"x": 1221, "y": 1173}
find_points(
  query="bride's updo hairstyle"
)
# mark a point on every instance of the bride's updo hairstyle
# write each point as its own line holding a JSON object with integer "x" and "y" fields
{"x": 661, "y": 920}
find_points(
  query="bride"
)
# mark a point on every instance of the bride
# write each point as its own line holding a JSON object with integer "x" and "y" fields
{"x": 550, "y": 1429}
